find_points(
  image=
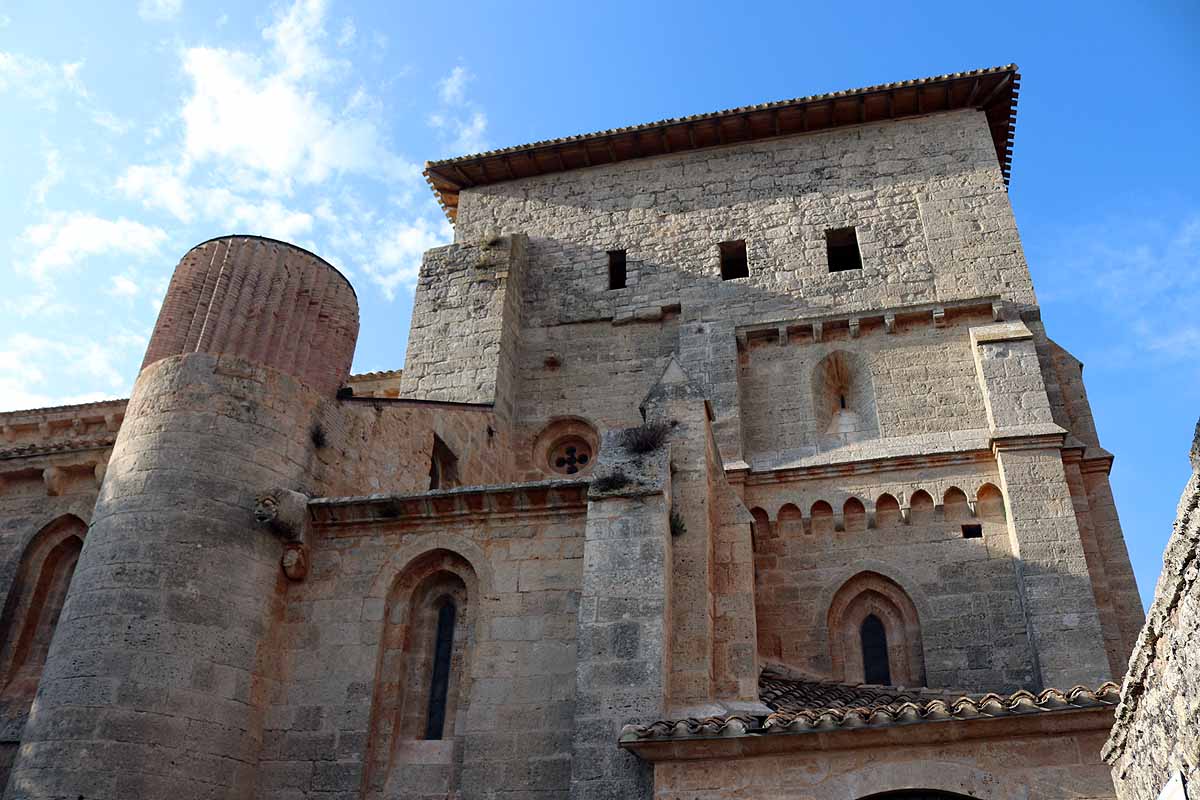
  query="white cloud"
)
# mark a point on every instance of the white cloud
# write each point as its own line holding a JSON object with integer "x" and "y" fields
{"x": 464, "y": 126}
{"x": 1144, "y": 275}
{"x": 53, "y": 177}
{"x": 66, "y": 239}
{"x": 346, "y": 34}
{"x": 158, "y": 187}
{"x": 242, "y": 113}
{"x": 271, "y": 219}
{"x": 295, "y": 39}
{"x": 398, "y": 251}
{"x": 27, "y": 362}
{"x": 121, "y": 286}
{"x": 40, "y": 80}
{"x": 159, "y": 10}
{"x": 452, "y": 88}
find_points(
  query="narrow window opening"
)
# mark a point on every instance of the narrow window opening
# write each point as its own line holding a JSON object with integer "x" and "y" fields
{"x": 443, "y": 466}
{"x": 733, "y": 260}
{"x": 842, "y": 401}
{"x": 972, "y": 531}
{"x": 841, "y": 245}
{"x": 875, "y": 652}
{"x": 439, "y": 682}
{"x": 616, "y": 269}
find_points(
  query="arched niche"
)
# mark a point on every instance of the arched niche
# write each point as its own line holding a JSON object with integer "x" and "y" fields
{"x": 989, "y": 503}
{"x": 867, "y": 596}
{"x": 35, "y": 603}
{"x": 791, "y": 521}
{"x": 822, "y": 518}
{"x": 843, "y": 400}
{"x": 955, "y": 505}
{"x": 887, "y": 511}
{"x": 854, "y": 514}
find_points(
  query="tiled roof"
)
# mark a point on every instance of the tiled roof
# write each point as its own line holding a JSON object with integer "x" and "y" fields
{"x": 993, "y": 90}
{"x": 802, "y": 706}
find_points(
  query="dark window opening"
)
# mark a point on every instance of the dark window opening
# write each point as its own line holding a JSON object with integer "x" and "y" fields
{"x": 443, "y": 466}
{"x": 439, "y": 683}
{"x": 616, "y": 269}
{"x": 733, "y": 260}
{"x": 841, "y": 245}
{"x": 842, "y": 401}
{"x": 875, "y": 652}
{"x": 972, "y": 531}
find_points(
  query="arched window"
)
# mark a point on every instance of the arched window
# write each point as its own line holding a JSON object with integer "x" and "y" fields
{"x": 35, "y": 603}
{"x": 874, "y": 633}
{"x": 422, "y": 677}
{"x": 439, "y": 683}
{"x": 875, "y": 652}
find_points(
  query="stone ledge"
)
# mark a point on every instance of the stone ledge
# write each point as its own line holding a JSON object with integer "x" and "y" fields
{"x": 503, "y": 499}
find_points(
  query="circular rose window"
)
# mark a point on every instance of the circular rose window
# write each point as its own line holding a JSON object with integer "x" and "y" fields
{"x": 570, "y": 455}
{"x": 567, "y": 446}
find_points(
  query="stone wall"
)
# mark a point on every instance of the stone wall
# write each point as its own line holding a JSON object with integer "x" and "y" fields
{"x": 1050, "y": 761}
{"x": 932, "y": 225}
{"x": 515, "y": 707}
{"x": 1157, "y": 732}
{"x": 965, "y": 590}
{"x": 466, "y": 315}
{"x": 918, "y": 382}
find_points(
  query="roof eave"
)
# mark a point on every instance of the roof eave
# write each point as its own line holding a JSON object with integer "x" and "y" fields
{"x": 993, "y": 90}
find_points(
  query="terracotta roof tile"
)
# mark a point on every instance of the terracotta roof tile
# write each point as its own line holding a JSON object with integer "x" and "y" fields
{"x": 993, "y": 90}
{"x": 801, "y": 706}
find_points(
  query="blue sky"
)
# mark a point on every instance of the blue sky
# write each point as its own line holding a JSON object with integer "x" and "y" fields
{"x": 131, "y": 132}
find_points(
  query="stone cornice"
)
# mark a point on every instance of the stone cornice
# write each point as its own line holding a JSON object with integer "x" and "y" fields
{"x": 555, "y": 497}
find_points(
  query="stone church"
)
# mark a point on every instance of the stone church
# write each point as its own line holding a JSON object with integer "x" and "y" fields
{"x": 730, "y": 459}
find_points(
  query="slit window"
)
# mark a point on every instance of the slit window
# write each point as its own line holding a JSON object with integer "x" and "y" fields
{"x": 972, "y": 531}
{"x": 439, "y": 682}
{"x": 875, "y": 652}
{"x": 733, "y": 260}
{"x": 616, "y": 269}
{"x": 443, "y": 466}
{"x": 841, "y": 245}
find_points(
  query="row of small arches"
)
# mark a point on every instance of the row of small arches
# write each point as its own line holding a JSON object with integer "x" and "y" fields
{"x": 887, "y": 509}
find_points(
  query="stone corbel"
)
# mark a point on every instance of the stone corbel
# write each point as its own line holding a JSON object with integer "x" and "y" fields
{"x": 871, "y": 523}
{"x": 939, "y": 317}
{"x": 285, "y": 513}
{"x": 99, "y": 471}
{"x": 55, "y": 479}
{"x": 783, "y": 334}
{"x": 818, "y": 330}
{"x": 973, "y": 507}
{"x": 905, "y": 513}
{"x": 889, "y": 323}
{"x": 855, "y": 327}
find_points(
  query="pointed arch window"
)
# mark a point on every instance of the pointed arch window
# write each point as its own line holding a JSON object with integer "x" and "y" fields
{"x": 875, "y": 651}
{"x": 439, "y": 681}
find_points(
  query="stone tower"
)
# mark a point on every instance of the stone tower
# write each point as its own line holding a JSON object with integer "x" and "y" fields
{"x": 164, "y": 659}
{"x": 730, "y": 458}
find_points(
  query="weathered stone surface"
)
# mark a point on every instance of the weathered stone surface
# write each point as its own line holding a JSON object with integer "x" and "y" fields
{"x": 465, "y": 578}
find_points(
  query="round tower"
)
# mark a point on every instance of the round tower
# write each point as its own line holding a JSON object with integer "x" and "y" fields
{"x": 156, "y": 681}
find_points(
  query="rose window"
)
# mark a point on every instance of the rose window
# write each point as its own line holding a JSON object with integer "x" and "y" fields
{"x": 571, "y": 455}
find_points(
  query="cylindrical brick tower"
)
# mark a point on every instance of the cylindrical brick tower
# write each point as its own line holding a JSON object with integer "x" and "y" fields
{"x": 157, "y": 677}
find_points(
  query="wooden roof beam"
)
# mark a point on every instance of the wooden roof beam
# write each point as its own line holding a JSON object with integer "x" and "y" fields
{"x": 1000, "y": 86}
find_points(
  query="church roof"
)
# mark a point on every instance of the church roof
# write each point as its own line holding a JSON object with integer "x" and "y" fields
{"x": 806, "y": 706}
{"x": 992, "y": 90}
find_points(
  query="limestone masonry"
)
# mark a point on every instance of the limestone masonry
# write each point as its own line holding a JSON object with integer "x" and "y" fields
{"x": 730, "y": 459}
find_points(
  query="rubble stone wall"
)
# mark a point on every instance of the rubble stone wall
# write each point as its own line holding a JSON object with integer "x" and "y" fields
{"x": 1157, "y": 732}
